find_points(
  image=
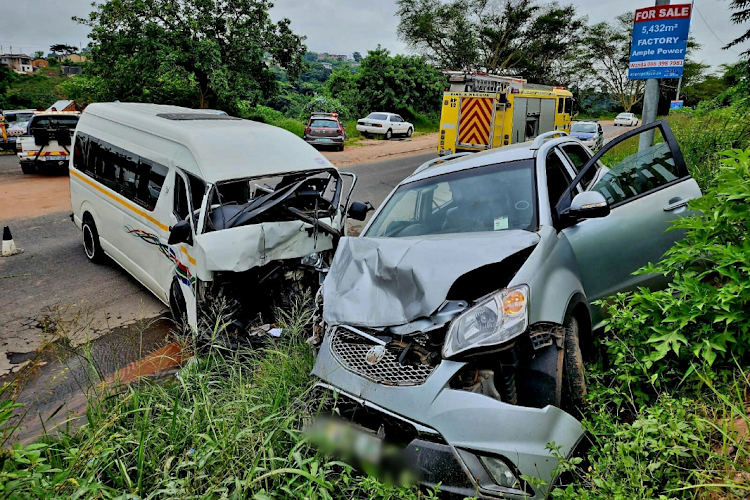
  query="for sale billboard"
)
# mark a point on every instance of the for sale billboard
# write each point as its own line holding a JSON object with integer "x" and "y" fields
{"x": 660, "y": 36}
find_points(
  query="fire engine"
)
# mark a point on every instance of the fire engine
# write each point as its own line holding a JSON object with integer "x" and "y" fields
{"x": 482, "y": 111}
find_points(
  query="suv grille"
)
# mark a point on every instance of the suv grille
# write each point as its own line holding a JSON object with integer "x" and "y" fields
{"x": 351, "y": 351}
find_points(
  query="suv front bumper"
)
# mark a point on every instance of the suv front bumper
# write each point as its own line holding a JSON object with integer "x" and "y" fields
{"x": 464, "y": 426}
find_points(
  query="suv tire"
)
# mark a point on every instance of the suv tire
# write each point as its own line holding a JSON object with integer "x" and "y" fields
{"x": 574, "y": 381}
{"x": 91, "y": 245}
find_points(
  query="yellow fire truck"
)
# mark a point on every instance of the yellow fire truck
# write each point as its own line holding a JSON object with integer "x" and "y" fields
{"x": 482, "y": 111}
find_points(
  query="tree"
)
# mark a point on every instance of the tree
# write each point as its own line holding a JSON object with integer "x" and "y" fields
{"x": 741, "y": 15}
{"x": 38, "y": 54}
{"x": 357, "y": 57}
{"x": 396, "y": 83}
{"x": 605, "y": 57}
{"x": 216, "y": 49}
{"x": 518, "y": 37}
{"x": 62, "y": 48}
{"x": 444, "y": 33}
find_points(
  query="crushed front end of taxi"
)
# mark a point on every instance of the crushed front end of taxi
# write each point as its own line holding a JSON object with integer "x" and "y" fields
{"x": 396, "y": 360}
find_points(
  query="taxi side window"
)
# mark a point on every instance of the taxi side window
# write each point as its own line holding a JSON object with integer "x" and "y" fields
{"x": 181, "y": 209}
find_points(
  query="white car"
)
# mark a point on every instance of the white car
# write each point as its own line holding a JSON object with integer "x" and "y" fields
{"x": 385, "y": 124}
{"x": 626, "y": 120}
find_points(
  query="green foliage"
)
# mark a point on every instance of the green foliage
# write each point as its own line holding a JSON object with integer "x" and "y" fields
{"x": 38, "y": 90}
{"x": 515, "y": 37}
{"x": 264, "y": 114}
{"x": 211, "y": 53}
{"x": 701, "y": 318}
{"x": 398, "y": 83}
{"x": 324, "y": 104}
{"x": 703, "y": 134}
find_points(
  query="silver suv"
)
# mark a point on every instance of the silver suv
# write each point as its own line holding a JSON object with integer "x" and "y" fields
{"x": 456, "y": 325}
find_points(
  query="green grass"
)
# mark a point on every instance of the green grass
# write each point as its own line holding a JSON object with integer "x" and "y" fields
{"x": 227, "y": 427}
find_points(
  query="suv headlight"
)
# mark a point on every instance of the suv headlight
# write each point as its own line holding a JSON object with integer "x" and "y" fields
{"x": 495, "y": 320}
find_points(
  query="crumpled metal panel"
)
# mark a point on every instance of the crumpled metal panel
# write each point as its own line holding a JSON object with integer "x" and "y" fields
{"x": 241, "y": 248}
{"x": 390, "y": 281}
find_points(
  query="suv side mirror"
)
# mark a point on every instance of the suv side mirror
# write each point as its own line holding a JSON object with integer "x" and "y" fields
{"x": 180, "y": 233}
{"x": 358, "y": 210}
{"x": 588, "y": 205}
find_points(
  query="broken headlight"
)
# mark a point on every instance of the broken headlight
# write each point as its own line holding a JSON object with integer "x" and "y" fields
{"x": 495, "y": 320}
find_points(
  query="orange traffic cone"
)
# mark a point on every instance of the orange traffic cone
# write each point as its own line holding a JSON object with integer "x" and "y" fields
{"x": 9, "y": 246}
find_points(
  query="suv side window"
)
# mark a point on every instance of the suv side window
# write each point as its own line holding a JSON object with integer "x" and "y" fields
{"x": 633, "y": 172}
{"x": 578, "y": 158}
{"x": 558, "y": 179}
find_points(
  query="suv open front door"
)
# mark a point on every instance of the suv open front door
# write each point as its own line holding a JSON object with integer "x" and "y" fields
{"x": 646, "y": 189}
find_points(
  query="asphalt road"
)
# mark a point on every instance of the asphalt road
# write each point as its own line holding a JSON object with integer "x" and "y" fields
{"x": 53, "y": 279}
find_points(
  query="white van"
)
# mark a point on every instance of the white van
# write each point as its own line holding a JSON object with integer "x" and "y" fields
{"x": 200, "y": 206}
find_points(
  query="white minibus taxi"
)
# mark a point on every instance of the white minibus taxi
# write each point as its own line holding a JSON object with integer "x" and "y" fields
{"x": 200, "y": 206}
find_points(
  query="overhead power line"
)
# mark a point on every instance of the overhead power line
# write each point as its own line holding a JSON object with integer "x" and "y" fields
{"x": 723, "y": 44}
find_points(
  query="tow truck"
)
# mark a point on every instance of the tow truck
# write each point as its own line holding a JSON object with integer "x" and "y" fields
{"x": 48, "y": 141}
{"x": 482, "y": 111}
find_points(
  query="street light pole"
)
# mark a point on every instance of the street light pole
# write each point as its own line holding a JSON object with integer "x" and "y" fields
{"x": 650, "y": 103}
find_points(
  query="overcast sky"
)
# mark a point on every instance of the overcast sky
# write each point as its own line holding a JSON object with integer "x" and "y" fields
{"x": 342, "y": 26}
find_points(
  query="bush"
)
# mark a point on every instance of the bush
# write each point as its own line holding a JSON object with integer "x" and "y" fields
{"x": 270, "y": 116}
{"x": 657, "y": 338}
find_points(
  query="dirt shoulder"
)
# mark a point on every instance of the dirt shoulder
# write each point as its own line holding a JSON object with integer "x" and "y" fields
{"x": 31, "y": 195}
{"x": 371, "y": 150}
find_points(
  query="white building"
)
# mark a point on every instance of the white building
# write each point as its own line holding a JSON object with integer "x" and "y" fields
{"x": 20, "y": 63}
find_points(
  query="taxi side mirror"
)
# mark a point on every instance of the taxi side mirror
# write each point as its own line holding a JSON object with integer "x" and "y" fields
{"x": 180, "y": 233}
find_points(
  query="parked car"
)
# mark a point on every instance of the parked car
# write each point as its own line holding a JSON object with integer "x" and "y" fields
{"x": 590, "y": 133}
{"x": 325, "y": 129}
{"x": 385, "y": 124}
{"x": 626, "y": 120}
{"x": 47, "y": 141}
{"x": 455, "y": 327}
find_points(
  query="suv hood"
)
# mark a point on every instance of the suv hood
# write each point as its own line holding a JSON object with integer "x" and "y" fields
{"x": 377, "y": 282}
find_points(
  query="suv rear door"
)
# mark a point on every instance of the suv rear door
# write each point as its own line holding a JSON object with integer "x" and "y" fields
{"x": 646, "y": 188}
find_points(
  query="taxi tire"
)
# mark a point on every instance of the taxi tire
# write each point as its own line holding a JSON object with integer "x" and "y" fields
{"x": 177, "y": 304}
{"x": 91, "y": 245}
{"x": 28, "y": 169}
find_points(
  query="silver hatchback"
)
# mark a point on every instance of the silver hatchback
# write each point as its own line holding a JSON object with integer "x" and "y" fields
{"x": 456, "y": 326}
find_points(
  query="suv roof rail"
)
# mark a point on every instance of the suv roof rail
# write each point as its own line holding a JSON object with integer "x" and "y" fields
{"x": 438, "y": 161}
{"x": 542, "y": 138}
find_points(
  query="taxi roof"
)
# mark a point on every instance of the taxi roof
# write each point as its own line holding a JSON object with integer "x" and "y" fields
{"x": 224, "y": 147}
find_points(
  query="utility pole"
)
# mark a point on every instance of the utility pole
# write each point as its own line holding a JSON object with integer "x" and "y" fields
{"x": 650, "y": 104}
{"x": 679, "y": 86}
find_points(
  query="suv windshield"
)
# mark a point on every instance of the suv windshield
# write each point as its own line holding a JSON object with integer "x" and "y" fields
{"x": 585, "y": 128}
{"x": 377, "y": 116}
{"x": 492, "y": 198}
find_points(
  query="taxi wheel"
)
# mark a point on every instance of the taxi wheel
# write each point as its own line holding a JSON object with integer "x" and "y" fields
{"x": 91, "y": 244}
{"x": 177, "y": 304}
{"x": 388, "y": 135}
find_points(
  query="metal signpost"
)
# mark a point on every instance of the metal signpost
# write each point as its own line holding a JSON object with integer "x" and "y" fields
{"x": 660, "y": 36}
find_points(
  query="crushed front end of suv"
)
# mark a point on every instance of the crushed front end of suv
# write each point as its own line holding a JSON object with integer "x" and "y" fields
{"x": 456, "y": 326}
